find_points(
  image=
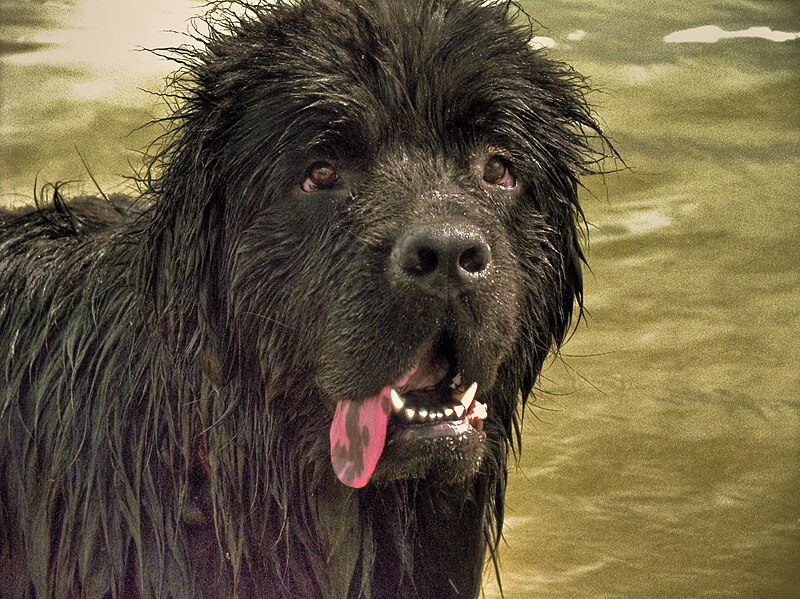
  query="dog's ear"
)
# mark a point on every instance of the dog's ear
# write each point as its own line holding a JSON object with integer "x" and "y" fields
{"x": 183, "y": 269}
{"x": 566, "y": 143}
{"x": 185, "y": 259}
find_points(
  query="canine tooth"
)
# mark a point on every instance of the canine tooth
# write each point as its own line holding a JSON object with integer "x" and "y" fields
{"x": 397, "y": 401}
{"x": 448, "y": 412}
{"x": 459, "y": 410}
{"x": 469, "y": 395}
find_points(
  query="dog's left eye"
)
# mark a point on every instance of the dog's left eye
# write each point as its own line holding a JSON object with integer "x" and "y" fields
{"x": 320, "y": 175}
{"x": 496, "y": 172}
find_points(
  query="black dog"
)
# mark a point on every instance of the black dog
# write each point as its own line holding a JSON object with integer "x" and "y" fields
{"x": 292, "y": 368}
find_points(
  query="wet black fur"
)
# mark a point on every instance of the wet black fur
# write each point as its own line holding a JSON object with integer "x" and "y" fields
{"x": 168, "y": 367}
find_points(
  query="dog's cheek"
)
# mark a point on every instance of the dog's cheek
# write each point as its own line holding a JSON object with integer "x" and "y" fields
{"x": 363, "y": 347}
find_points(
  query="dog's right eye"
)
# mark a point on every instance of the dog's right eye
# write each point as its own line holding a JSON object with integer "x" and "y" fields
{"x": 320, "y": 175}
{"x": 496, "y": 172}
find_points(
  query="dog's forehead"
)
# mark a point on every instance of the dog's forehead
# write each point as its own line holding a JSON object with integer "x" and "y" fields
{"x": 417, "y": 72}
{"x": 406, "y": 56}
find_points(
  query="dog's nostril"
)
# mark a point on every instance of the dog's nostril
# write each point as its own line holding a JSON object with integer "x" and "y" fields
{"x": 475, "y": 259}
{"x": 427, "y": 261}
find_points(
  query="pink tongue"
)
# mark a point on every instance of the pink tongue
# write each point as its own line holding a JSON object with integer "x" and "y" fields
{"x": 358, "y": 433}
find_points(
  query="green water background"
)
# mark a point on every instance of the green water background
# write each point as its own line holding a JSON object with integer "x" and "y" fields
{"x": 662, "y": 456}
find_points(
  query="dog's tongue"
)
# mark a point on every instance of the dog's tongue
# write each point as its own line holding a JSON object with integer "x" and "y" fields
{"x": 358, "y": 433}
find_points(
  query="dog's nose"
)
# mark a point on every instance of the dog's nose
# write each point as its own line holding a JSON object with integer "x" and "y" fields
{"x": 441, "y": 258}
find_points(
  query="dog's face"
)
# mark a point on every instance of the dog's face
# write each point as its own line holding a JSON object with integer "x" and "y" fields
{"x": 399, "y": 207}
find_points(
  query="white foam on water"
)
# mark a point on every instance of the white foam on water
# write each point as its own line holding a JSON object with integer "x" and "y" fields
{"x": 710, "y": 34}
{"x": 541, "y": 41}
{"x": 647, "y": 220}
{"x": 576, "y": 36}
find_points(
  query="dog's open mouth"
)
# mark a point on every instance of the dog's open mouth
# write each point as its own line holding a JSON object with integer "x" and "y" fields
{"x": 430, "y": 401}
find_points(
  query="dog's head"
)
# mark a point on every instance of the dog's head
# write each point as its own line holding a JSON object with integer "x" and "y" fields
{"x": 382, "y": 197}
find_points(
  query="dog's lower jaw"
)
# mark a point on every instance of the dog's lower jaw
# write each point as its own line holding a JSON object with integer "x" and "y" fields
{"x": 443, "y": 460}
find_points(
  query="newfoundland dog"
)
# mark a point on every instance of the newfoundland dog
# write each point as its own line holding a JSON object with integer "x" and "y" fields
{"x": 295, "y": 365}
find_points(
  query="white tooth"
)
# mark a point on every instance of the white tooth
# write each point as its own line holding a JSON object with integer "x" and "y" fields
{"x": 469, "y": 395}
{"x": 410, "y": 413}
{"x": 438, "y": 416}
{"x": 397, "y": 401}
{"x": 423, "y": 414}
{"x": 459, "y": 410}
{"x": 479, "y": 411}
{"x": 448, "y": 412}
{"x": 457, "y": 380}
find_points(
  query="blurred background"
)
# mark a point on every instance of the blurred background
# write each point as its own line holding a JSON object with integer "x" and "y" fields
{"x": 661, "y": 457}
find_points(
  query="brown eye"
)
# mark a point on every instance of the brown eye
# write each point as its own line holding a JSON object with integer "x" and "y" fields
{"x": 321, "y": 175}
{"x": 496, "y": 172}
